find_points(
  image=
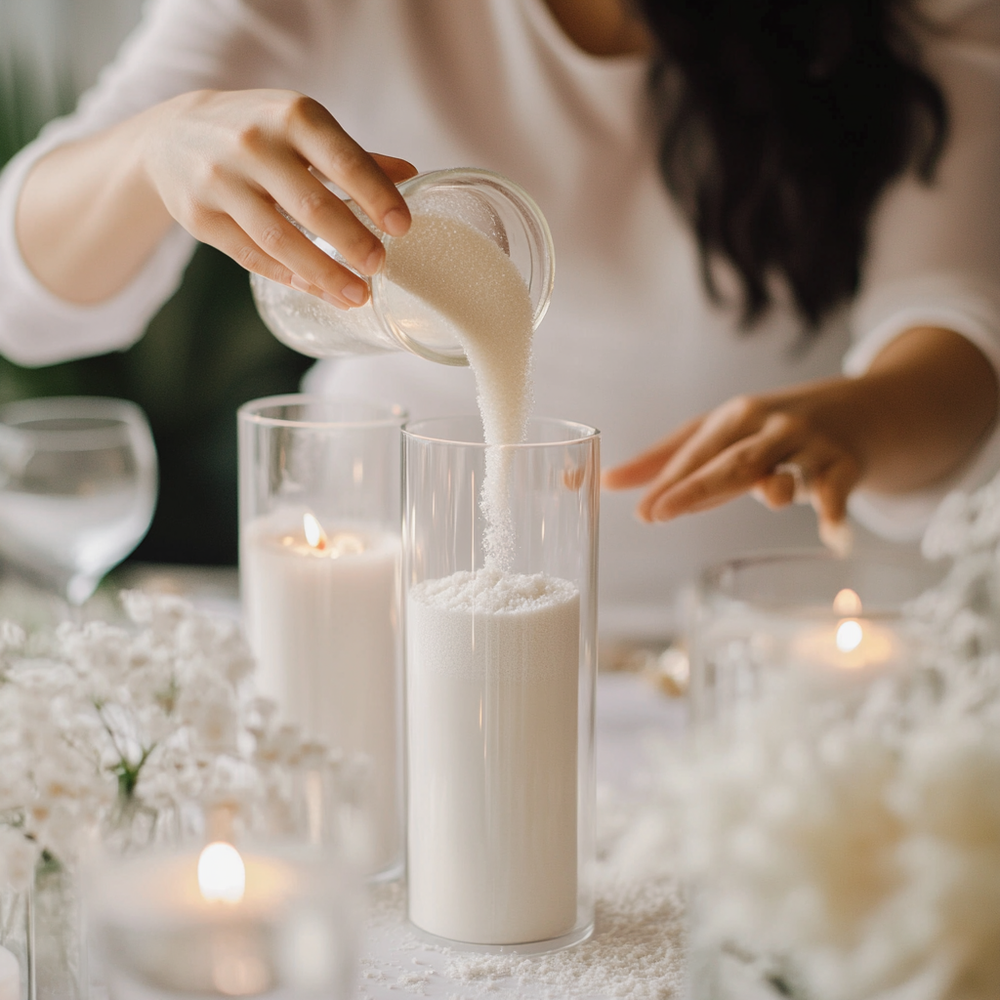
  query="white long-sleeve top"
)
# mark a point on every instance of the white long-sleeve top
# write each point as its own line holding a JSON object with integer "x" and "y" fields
{"x": 631, "y": 343}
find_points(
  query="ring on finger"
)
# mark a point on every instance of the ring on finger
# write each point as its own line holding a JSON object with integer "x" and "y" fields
{"x": 799, "y": 479}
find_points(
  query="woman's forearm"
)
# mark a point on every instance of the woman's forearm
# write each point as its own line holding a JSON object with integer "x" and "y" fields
{"x": 88, "y": 216}
{"x": 926, "y": 402}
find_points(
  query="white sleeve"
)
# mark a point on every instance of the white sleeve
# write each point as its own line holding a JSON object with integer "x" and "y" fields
{"x": 181, "y": 45}
{"x": 934, "y": 258}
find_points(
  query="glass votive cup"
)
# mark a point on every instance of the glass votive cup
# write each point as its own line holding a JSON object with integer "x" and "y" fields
{"x": 393, "y": 319}
{"x": 805, "y": 617}
{"x": 500, "y": 674}
{"x": 319, "y": 579}
{"x": 270, "y": 920}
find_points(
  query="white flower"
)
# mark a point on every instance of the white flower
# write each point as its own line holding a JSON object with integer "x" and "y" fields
{"x": 161, "y": 612}
{"x": 208, "y": 704}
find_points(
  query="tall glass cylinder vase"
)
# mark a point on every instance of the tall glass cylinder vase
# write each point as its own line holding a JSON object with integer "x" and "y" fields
{"x": 319, "y": 576}
{"x": 500, "y": 672}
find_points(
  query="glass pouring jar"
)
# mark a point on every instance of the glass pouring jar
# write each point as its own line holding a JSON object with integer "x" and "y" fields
{"x": 393, "y": 319}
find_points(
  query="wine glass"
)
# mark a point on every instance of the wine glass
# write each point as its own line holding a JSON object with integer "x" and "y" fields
{"x": 78, "y": 486}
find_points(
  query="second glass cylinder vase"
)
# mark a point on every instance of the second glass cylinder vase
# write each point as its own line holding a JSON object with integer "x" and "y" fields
{"x": 319, "y": 575}
{"x": 500, "y": 669}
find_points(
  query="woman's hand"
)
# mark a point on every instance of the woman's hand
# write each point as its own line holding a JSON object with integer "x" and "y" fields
{"x": 224, "y": 163}
{"x": 778, "y": 445}
{"x": 228, "y": 166}
{"x": 916, "y": 415}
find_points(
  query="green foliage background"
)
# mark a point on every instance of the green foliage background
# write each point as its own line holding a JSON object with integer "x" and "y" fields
{"x": 204, "y": 354}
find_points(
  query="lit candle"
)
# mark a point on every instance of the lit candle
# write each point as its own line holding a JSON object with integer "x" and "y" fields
{"x": 223, "y": 923}
{"x": 10, "y": 976}
{"x": 321, "y": 606}
{"x": 852, "y": 644}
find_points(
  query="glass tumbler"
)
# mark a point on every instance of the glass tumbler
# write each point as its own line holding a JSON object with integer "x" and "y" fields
{"x": 394, "y": 318}
{"x": 500, "y": 673}
{"x": 319, "y": 578}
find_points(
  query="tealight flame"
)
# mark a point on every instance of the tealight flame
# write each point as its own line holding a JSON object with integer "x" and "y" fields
{"x": 221, "y": 873}
{"x": 849, "y": 635}
{"x": 315, "y": 535}
{"x": 846, "y": 603}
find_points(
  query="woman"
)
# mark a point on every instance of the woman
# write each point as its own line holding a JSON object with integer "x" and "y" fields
{"x": 767, "y": 178}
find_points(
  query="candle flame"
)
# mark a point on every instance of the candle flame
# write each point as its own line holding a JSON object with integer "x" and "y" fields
{"x": 846, "y": 603}
{"x": 315, "y": 535}
{"x": 849, "y": 635}
{"x": 221, "y": 873}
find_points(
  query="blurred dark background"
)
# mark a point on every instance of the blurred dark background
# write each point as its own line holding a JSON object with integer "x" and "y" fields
{"x": 205, "y": 352}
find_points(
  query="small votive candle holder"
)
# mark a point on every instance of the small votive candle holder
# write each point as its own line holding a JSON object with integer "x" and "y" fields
{"x": 319, "y": 578}
{"x": 806, "y": 617}
{"x": 270, "y": 920}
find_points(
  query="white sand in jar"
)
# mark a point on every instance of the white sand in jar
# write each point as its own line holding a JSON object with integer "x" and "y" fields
{"x": 476, "y": 290}
{"x": 492, "y": 720}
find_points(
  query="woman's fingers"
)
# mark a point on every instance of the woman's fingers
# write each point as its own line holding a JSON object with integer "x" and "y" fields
{"x": 718, "y": 465}
{"x": 310, "y": 204}
{"x": 225, "y": 235}
{"x": 736, "y": 423}
{"x": 775, "y": 490}
{"x": 324, "y": 144}
{"x": 228, "y": 237}
{"x": 831, "y": 489}
{"x": 784, "y": 447}
{"x": 277, "y": 238}
{"x": 828, "y": 475}
{"x": 640, "y": 470}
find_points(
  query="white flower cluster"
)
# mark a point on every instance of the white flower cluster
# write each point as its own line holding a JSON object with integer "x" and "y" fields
{"x": 851, "y": 842}
{"x": 101, "y": 724}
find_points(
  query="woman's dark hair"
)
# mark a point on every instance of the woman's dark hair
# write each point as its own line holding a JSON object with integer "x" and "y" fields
{"x": 785, "y": 119}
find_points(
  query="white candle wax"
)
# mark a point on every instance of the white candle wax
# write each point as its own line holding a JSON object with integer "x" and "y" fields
{"x": 10, "y": 976}
{"x": 322, "y": 620}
